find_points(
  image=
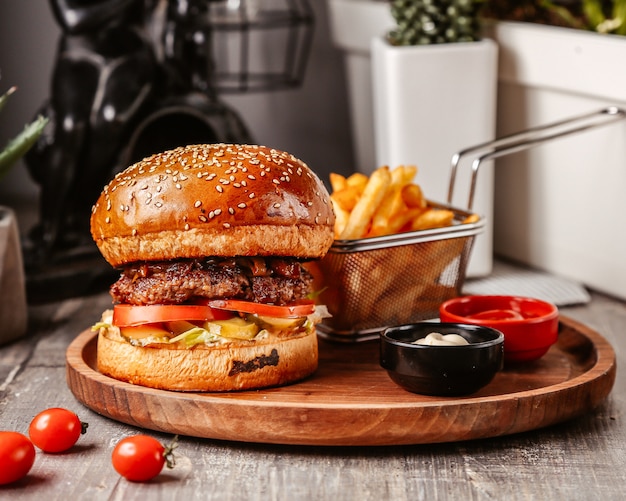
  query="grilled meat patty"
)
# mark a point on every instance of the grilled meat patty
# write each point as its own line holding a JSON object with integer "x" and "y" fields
{"x": 264, "y": 280}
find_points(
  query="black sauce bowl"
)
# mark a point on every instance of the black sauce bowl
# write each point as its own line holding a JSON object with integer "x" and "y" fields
{"x": 441, "y": 370}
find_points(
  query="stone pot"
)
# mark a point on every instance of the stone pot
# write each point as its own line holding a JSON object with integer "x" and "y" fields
{"x": 13, "y": 305}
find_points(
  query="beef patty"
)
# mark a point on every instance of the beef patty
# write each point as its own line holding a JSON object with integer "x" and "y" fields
{"x": 264, "y": 280}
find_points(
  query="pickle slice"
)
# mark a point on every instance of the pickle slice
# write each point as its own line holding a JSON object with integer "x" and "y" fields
{"x": 281, "y": 324}
{"x": 236, "y": 328}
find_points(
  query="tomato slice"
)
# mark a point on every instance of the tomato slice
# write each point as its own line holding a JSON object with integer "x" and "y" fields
{"x": 128, "y": 315}
{"x": 299, "y": 309}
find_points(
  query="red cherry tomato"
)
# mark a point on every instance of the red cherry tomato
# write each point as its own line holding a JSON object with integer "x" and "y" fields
{"x": 128, "y": 315}
{"x": 56, "y": 429}
{"x": 17, "y": 455}
{"x": 140, "y": 457}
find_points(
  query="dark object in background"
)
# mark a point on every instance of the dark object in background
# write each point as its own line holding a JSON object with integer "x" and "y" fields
{"x": 131, "y": 78}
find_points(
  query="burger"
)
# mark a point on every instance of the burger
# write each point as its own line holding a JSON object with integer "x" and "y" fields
{"x": 212, "y": 243}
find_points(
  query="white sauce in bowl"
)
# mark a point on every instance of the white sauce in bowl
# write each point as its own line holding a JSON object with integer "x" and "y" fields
{"x": 437, "y": 339}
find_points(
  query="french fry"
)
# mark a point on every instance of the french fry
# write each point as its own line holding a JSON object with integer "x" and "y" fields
{"x": 337, "y": 181}
{"x": 341, "y": 217}
{"x": 404, "y": 174}
{"x": 472, "y": 218}
{"x": 413, "y": 197}
{"x": 432, "y": 218}
{"x": 393, "y": 203}
{"x": 403, "y": 218}
{"x": 384, "y": 203}
{"x": 373, "y": 194}
{"x": 357, "y": 180}
{"x": 347, "y": 197}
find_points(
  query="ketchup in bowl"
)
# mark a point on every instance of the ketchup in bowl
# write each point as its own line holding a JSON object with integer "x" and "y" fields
{"x": 529, "y": 325}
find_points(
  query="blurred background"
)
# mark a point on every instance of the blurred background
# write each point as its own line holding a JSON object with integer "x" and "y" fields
{"x": 310, "y": 121}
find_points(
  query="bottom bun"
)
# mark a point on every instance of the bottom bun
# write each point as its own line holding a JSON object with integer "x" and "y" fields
{"x": 236, "y": 366}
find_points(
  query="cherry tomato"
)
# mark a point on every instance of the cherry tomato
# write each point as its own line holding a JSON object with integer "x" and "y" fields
{"x": 17, "y": 456}
{"x": 140, "y": 457}
{"x": 56, "y": 429}
{"x": 127, "y": 315}
{"x": 299, "y": 309}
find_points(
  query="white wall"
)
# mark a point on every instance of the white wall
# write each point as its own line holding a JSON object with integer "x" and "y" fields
{"x": 311, "y": 122}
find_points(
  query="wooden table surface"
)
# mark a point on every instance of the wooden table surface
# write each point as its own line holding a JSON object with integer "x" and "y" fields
{"x": 583, "y": 459}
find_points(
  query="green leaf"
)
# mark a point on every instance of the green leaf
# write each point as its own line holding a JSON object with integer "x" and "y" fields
{"x": 5, "y": 97}
{"x": 17, "y": 147}
{"x": 619, "y": 14}
{"x": 593, "y": 12}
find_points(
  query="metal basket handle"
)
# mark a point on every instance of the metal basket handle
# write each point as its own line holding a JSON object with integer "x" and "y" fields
{"x": 526, "y": 139}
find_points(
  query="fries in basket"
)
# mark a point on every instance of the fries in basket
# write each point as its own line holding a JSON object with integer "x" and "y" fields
{"x": 386, "y": 202}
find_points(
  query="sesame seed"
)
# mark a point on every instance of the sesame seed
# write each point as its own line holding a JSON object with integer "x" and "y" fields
{"x": 251, "y": 195}
{"x": 275, "y": 181}
{"x": 226, "y": 225}
{"x": 187, "y": 226}
{"x": 218, "y": 212}
{"x": 309, "y": 203}
{"x": 108, "y": 219}
{"x": 158, "y": 205}
{"x": 134, "y": 232}
{"x": 242, "y": 205}
{"x": 231, "y": 210}
{"x": 178, "y": 186}
{"x": 197, "y": 204}
{"x": 219, "y": 188}
{"x": 276, "y": 206}
{"x": 202, "y": 218}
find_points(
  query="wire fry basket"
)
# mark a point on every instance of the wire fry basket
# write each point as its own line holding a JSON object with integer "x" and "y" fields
{"x": 370, "y": 284}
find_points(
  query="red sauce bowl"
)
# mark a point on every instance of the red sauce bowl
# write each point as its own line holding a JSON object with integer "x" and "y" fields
{"x": 530, "y": 326}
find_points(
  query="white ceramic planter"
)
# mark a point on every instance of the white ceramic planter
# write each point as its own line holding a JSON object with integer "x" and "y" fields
{"x": 560, "y": 206}
{"x": 353, "y": 25}
{"x": 429, "y": 103}
{"x": 13, "y": 307}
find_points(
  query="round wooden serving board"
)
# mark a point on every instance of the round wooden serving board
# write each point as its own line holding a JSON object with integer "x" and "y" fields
{"x": 350, "y": 400}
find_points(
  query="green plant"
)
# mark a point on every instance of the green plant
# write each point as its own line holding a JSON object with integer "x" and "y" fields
{"x": 425, "y": 22}
{"x": 602, "y": 16}
{"x": 19, "y": 145}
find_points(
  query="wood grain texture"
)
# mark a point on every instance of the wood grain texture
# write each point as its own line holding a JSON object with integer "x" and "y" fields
{"x": 350, "y": 400}
{"x": 578, "y": 459}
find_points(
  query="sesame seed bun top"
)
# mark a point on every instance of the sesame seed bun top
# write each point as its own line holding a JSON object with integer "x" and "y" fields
{"x": 213, "y": 200}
